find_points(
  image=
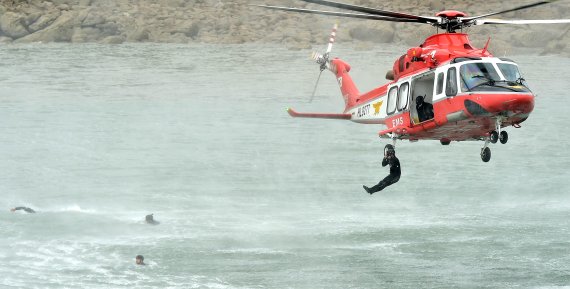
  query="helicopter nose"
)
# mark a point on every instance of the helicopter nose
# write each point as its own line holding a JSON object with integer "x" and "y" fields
{"x": 512, "y": 103}
{"x": 519, "y": 104}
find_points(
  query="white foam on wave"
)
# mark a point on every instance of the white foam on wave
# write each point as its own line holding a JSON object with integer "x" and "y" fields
{"x": 257, "y": 251}
{"x": 73, "y": 208}
{"x": 391, "y": 247}
{"x": 57, "y": 261}
{"x": 199, "y": 281}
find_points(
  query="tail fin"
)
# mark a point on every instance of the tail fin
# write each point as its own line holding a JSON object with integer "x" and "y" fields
{"x": 347, "y": 87}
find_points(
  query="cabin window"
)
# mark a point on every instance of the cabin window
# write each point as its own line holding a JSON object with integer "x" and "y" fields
{"x": 451, "y": 86}
{"x": 403, "y": 96}
{"x": 439, "y": 88}
{"x": 392, "y": 99}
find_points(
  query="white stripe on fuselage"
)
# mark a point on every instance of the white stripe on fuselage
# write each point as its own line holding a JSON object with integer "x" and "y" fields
{"x": 372, "y": 111}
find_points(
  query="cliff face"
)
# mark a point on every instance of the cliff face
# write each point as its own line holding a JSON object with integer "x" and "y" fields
{"x": 235, "y": 21}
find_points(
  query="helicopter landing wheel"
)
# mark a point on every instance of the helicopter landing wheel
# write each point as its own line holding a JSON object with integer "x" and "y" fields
{"x": 494, "y": 136}
{"x": 504, "y": 137}
{"x": 485, "y": 154}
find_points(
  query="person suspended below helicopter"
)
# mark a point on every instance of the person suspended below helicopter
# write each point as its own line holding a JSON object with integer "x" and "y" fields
{"x": 395, "y": 171}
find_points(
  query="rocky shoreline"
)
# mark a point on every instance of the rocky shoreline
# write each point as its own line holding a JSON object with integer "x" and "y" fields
{"x": 236, "y": 21}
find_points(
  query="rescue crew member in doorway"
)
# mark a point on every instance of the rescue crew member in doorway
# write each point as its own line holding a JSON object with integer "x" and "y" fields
{"x": 394, "y": 176}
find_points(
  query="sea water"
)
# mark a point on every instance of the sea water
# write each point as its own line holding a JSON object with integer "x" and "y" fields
{"x": 95, "y": 137}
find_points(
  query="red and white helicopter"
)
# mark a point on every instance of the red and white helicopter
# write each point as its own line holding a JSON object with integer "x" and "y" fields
{"x": 445, "y": 89}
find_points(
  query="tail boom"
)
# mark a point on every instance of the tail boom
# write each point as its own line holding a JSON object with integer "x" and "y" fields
{"x": 293, "y": 113}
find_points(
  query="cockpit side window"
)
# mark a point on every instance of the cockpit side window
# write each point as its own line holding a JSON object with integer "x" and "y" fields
{"x": 451, "y": 85}
{"x": 439, "y": 87}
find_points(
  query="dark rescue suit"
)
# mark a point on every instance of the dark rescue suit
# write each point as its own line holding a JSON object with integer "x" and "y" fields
{"x": 26, "y": 209}
{"x": 392, "y": 178}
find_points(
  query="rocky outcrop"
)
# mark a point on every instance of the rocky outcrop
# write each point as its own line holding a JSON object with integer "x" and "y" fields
{"x": 236, "y": 21}
{"x": 13, "y": 25}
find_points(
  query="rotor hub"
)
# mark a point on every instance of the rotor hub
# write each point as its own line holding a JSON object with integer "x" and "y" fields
{"x": 450, "y": 14}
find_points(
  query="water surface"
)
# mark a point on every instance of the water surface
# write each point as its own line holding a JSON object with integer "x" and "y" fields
{"x": 95, "y": 137}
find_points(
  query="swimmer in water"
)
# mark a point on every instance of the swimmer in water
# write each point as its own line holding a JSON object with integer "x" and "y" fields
{"x": 26, "y": 209}
{"x": 140, "y": 260}
{"x": 150, "y": 220}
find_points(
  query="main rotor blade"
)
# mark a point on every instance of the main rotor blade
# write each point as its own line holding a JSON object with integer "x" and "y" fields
{"x": 340, "y": 14}
{"x": 467, "y": 19}
{"x": 500, "y": 21}
{"x": 374, "y": 11}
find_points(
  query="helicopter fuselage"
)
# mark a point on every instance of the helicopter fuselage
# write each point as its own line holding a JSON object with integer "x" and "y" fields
{"x": 443, "y": 90}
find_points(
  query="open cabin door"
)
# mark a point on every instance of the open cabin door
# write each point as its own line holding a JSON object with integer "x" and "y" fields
{"x": 421, "y": 100}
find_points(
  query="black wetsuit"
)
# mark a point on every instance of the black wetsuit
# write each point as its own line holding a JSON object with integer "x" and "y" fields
{"x": 392, "y": 178}
{"x": 26, "y": 209}
{"x": 150, "y": 220}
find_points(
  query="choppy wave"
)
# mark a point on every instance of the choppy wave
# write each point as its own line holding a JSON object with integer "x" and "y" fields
{"x": 72, "y": 208}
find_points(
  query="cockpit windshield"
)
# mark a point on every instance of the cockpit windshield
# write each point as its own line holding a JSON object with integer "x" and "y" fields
{"x": 482, "y": 76}
{"x": 477, "y": 75}
{"x": 510, "y": 71}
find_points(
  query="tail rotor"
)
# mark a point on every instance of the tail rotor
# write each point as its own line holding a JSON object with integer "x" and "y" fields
{"x": 323, "y": 59}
